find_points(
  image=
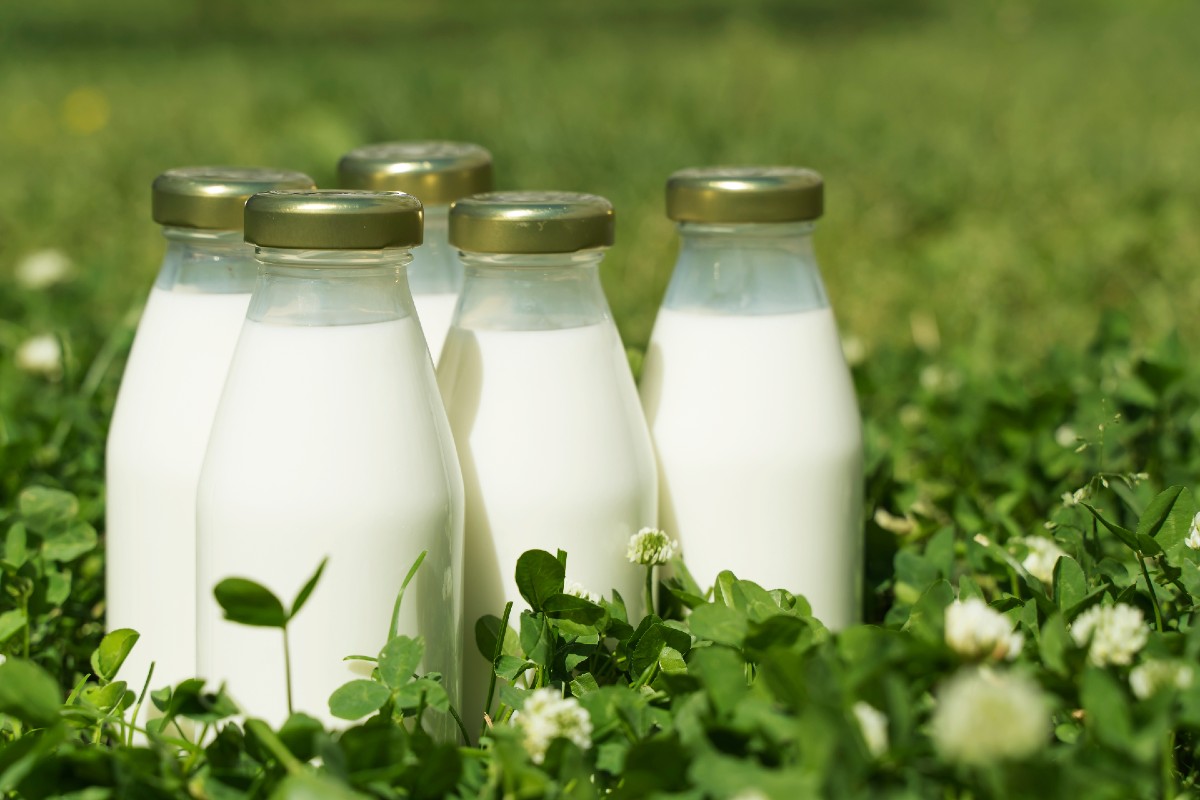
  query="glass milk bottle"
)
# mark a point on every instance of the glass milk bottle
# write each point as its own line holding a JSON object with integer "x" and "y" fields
{"x": 748, "y": 397}
{"x": 330, "y": 440}
{"x": 437, "y": 174}
{"x": 165, "y": 408}
{"x": 554, "y": 449}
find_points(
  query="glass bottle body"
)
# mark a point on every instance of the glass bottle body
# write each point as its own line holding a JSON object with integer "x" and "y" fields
{"x": 754, "y": 417}
{"x": 156, "y": 442}
{"x": 435, "y": 276}
{"x": 554, "y": 448}
{"x": 330, "y": 441}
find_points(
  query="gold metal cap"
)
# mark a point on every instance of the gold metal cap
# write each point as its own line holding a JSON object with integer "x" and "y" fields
{"x": 745, "y": 194}
{"x": 438, "y": 173}
{"x": 333, "y": 219}
{"x": 214, "y": 198}
{"x": 531, "y": 222}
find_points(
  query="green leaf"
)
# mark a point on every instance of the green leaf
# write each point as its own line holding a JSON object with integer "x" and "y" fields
{"x": 509, "y": 667}
{"x": 58, "y": 586}
{"x": 575, "y": 609}
{"x": 250, "y": 603}
{"x": 1054, "y": 643}
{"x": 487, "y": 632}
{"x": 1108, "y": 716}
{"x": 928, "y": 616}
{"x": 105, "y": 698}
{"x": 536, "y": 639}
{"x": 723, "y": 673}
{"x": 357, "y": 699}
{"x": 10, "y": 623}
{"x": 584, "y": 684}
{"x": 112, "y": 652}
{"x": 307, "y": 590}
{"x": 394, "y": 629}
{"x": 313, "y": 786}
{"x": 16, "y": 549}
{"x": 76, "y": 539}
{"x": 718, "y": 623}
{"x": 1070, "y": 584}
{"x": 1127, "y": 537}
{"x": 399, "y": 659}
{"x": 28, "y": 693}
{"x": 45, "y": 510}
{"x": 1156, "y": 514}
{"x": 539, "y": 576}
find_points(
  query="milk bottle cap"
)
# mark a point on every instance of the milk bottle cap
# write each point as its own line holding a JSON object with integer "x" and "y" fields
{"x": 745, "y": 194}
{"x": 531, "y": 222}
{"x": 213, "y": 198}
{"x": 436, "y": 172}
{"x": 333, "y": 219}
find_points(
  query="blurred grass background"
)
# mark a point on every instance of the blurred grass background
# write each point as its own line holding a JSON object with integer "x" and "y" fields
{"x": 1005, "y": 170}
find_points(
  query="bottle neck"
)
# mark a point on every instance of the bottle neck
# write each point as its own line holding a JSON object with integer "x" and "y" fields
{"x": 207, "y": 262}
{"x": 746, "y": 269}
{"x": 435, "y": 267}
{"x": 532, "y": 292}
{"x": 315, "y": 288}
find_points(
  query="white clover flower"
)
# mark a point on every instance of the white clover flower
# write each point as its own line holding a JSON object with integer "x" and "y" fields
{"x": 547, "y": 716}
{"x": 1112, "y": 634}
{"x": 42, "y": 269}
{"x": 1043, "y": 555}
{"x": 577, "y": 590}
{"x": 1153, "y": 676}
{"x": 1193, "y": 537}
{"x": 40, "y": 355}
{"x": 650, "y": 547}
{"x": 983, "y": 717}
{"x": 975, "y": 630}
{"x": 874, "y": 726}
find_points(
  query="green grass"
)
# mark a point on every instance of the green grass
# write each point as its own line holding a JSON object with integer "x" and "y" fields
{"x": 1006, "y": 170}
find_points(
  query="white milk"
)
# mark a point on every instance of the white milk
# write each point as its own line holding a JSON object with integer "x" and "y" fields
{"x": 325, "y": 445}
{"x": 554, "y": 454}
{"x": 759, "y": 447}
{"x": 156, "y": 444}
{"x": 435, "y": 312}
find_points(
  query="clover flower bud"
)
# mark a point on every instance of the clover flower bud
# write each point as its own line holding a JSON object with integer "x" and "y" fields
{"x": 42, "y": 269}
{"x": 1148, "y": 679}
{"x": 1043, "y": 555}
{"x": 977, "y": 631}
{"x": 984, "y": 717}
{"x": 1112, "y": 634}
{"x": 577, "y": 590}
{"x": 547, "y": 716}
{"x": 651, "y": 547}
{"x": 40, "y": 355}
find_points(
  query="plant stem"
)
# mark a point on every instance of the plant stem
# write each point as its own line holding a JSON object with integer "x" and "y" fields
{"x": 287, "y": 668}
{"x": 1168, "y": 767}
{"x": 499, "y": 651}
{"x": 461, "y": 728}
{"x": 650, "y": 590}
{"x": 272, "y": 743}
{"x": 1158, "y": 622}
{"x": 137, "y": 708}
